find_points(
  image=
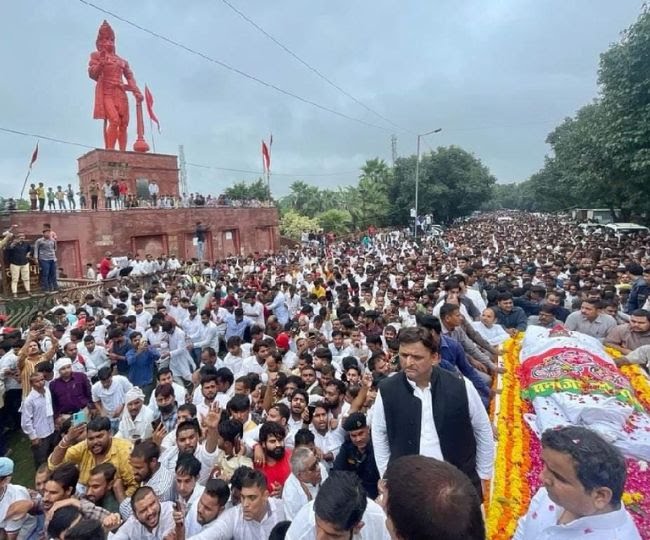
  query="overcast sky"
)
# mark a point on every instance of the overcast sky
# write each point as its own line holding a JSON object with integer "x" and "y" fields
{"x": 496, "y": 76}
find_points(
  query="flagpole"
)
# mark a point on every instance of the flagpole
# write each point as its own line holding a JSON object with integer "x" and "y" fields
{"x": 22, "y": 191}
{"x": 29, "y": 169}
{"x": 153, "y": 139}
{"x": 268, "y": 170}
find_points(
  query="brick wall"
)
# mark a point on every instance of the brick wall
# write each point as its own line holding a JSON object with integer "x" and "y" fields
{"x": 132, "y": 166}
{"x": 85, "y": 236}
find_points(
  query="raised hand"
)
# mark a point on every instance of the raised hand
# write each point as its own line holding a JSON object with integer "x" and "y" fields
{"x": 212, "y": 419}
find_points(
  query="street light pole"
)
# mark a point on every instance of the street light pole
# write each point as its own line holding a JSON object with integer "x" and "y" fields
{"x": 417, "y": 179}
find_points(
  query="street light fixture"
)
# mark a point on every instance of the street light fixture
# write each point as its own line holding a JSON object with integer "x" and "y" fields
{"x": 417, "y": 179}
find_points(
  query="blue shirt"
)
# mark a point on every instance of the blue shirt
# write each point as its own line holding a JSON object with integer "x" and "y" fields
{"x": 452, "y": 352}
{"x": 234, "y": 328}
{"x": 141, "y": 366}
{"x": 122, "y": 350}
{"x": 515, "y": 319}
{"x": 279, "y": 308}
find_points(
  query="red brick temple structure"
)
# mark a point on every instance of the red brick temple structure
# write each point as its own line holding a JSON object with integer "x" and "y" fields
{"x": 84, "y": 236}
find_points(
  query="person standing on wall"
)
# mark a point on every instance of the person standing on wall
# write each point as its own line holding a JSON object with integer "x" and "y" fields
{"x": 18, "y": 256}
{"x": 200, "y": 240}
{"x": 93, "y": 190}
{"x": 45, "y": 254}
{"x": 153, "y": 193}
{"x": 33, "y": 197}
{"x": 40, "y": 193}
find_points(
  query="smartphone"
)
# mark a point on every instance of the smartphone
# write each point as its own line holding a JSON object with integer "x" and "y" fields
{"x": 79, "y": 418}
{"x": 156, "y": 423}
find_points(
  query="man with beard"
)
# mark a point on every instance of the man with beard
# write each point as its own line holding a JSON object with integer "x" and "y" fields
{"x": 60, "y": 489}
{"x": 211, "y": 504}
{"x": 209, "y": 389}
{"x": 253, "y": 518}
{"x": 99, "y": 447}
{"x": 151, "y": 519}
{"x": 334, "y": 394}
{"x": 277, "y": 467}
{"x": 135, "y": 423}
{"x": 356, "y": 454}
{"x": 328, "y": 440}
{"x": 148, "y": 472}
{"x": 99, "y": 490}
{"x": 297, "y": 405}
{"x": 188, "y": 436}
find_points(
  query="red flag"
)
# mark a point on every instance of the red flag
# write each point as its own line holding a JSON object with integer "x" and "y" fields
{"x": 266, "y": 157}
{"x": 148, "y": 96}
{"x": 34, "y": 156}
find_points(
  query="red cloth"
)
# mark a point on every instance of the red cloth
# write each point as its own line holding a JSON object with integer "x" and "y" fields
{"x": 278, "y": 473}
{"x": 34, "y": 156}
{"x": 105, "y": 267}
{"x": 266, "y": 157}
{"x": 148, "y": 97}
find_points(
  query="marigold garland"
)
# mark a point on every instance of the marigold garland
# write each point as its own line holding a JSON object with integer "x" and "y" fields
{"x": 518, "y": 462}
{"x": 510, "y": 492}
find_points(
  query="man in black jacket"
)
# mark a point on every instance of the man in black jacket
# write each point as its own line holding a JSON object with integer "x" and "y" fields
{"x": 428, "y": 411}
{"x": 356, "y": 453}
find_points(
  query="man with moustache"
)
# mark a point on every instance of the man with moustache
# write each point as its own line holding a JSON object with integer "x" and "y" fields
{"x": 151, "y": 519}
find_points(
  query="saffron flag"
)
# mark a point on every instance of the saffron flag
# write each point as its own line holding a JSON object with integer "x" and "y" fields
{"x": 148, "y": 96}
{"x": 266, "y": 157}
{"x": 34, "y": 156}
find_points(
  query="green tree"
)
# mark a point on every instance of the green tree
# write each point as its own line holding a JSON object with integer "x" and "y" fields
{"x": 336, "y": 221}
{"x": 253, "y": 190}
{"x": 601, "y": 156}
{"x": 453, "y": 183}
{"x": 378, "y": 174}
{"x": 307, "y": 199}
{"x": 292, "y": 224}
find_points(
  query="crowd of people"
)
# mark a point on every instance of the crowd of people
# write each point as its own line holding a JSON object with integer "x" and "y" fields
{"x": 116, "y": 195}
{"x": 337, "y": 390}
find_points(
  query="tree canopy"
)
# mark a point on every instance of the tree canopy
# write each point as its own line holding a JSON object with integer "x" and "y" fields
{"x": 245, "y": 190}
{"x": 452, "y": 183}
{"x": 601, "y": 156}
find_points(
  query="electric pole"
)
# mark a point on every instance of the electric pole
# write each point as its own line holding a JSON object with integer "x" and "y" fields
{"x": 183, "y": 171}
{"x": 393, "y": 145}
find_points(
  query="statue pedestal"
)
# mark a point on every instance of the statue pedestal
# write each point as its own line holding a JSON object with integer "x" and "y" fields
{"x": 136, "y": 168}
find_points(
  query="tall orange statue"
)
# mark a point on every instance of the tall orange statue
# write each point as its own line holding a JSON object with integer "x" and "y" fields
{"x": 111, "y": 103}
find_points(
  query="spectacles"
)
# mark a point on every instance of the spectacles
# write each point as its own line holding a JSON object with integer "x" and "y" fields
{"x": 313, "y": 467}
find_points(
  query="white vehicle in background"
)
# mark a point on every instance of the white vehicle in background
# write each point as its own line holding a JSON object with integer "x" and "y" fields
{"x": 625, "y": 228}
